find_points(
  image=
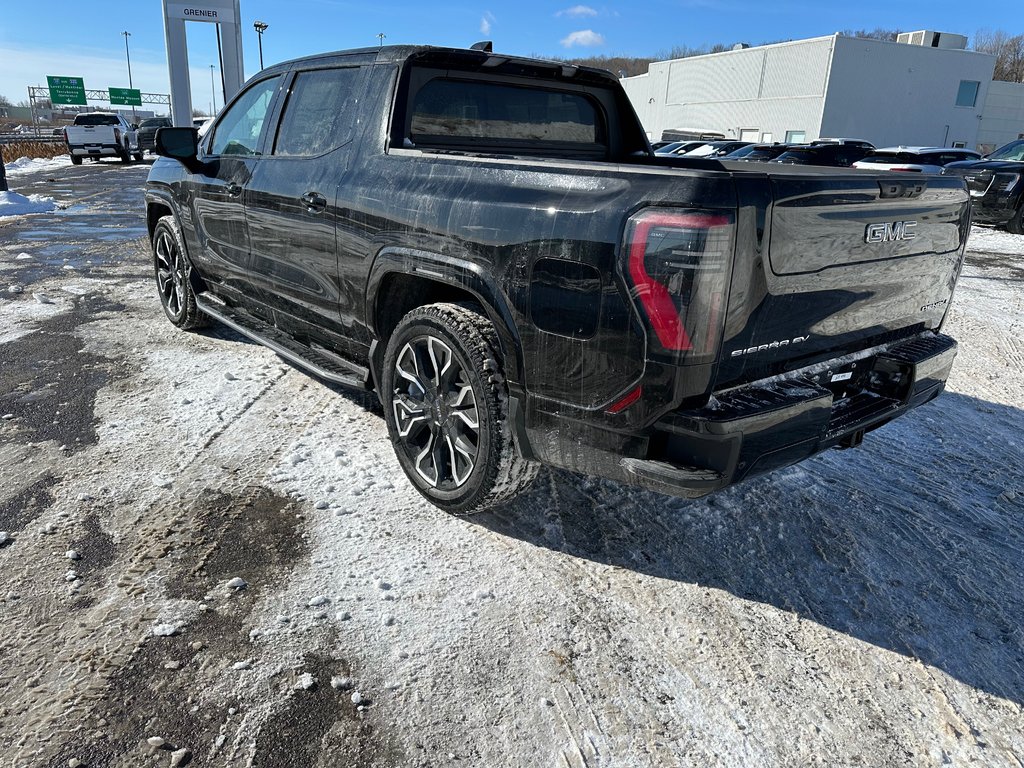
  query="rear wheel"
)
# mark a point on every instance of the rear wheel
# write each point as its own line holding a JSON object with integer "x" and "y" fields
{"x": 138, "y": 157}
{"x": 172, "y": 276}
{"x": 446, "y": 406}
{"x": 1016, "y": 224}
{"x": 123, "y": 154}
{"x": 76, "y": 160}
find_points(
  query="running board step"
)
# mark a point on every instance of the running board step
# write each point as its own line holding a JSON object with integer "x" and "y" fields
{"x": 323, "y": 364}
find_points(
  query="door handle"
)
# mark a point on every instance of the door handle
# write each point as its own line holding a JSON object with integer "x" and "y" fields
{"x": 233, "y": 190}
{"x": 314, "y": 202}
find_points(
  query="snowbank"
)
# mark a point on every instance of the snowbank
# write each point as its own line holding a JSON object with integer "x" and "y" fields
{"x": 25, "y": 165}
{"x": 13, "y": 204}
{"x": 990, "y": 240}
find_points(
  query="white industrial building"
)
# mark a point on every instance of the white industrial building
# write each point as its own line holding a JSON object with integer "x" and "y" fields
{"x": 1003, "y": 118}
{"x": 925, "y": 91}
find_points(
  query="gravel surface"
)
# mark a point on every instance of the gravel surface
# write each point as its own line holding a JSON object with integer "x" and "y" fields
{"x": 255, "y": 583}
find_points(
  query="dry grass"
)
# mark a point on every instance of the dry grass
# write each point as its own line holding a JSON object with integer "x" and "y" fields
{"x": 44, "y": 149}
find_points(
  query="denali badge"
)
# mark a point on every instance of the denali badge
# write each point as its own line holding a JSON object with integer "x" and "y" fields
{"x": 889, "y": 231}
{"x": 769, "y": 345}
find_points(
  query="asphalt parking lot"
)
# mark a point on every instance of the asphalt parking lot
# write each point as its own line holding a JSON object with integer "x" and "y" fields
{"x": 213, "y": 558}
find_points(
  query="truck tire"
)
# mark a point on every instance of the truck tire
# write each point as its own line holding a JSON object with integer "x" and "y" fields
{"x": 446, "y": 407}
{"x": 170, "y": 268}
{"x": 75, "y": 160}
{"x": 1015, "y": 225}
{"x": 138, "y": 156}
{"x": 123, "y": 154}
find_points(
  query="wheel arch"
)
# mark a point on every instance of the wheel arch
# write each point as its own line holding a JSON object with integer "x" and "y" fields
{"x": 402, "y": 279}
{"x": 158, "y": 206}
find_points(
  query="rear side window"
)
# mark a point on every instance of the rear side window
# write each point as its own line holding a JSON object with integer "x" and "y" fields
{"x": 318, "y": 116}
{"x": 446, "y": 111}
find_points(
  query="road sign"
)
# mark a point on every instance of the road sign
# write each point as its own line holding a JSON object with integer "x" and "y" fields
{"x": 66, "y": 90}
{"x": 131, "y": 97}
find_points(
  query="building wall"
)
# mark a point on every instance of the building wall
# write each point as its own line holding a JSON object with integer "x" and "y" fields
{"x": 892, "y": 93}
{"x": 887, "y": 93}
{"x": 1002, "y": 120}
{"x": 770, "y": 89}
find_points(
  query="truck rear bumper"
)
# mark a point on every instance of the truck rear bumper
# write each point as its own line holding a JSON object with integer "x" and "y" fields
{"x": 766, "y": 425}
{"x": 99, "y": 150}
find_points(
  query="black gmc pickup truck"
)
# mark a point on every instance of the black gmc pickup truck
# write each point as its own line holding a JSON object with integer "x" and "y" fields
{"x": 489, "y": 243}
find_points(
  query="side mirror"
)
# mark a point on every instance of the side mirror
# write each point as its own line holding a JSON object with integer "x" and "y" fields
{"x": 181, "y": 144}
{"x": 135, "y": 126}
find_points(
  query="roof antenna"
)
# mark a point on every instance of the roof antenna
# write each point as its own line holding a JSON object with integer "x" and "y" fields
{"x": 484, "y": 45}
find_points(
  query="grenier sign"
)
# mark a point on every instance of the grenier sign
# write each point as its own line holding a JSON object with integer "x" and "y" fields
{"x": 212, "y": 12}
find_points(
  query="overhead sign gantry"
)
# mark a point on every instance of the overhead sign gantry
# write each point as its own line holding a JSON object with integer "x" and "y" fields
{"x": 227, "y": 15}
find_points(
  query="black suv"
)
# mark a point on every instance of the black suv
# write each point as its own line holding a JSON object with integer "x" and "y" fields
{"x": 996, "y": 186}
{"x": 147, "y": 131}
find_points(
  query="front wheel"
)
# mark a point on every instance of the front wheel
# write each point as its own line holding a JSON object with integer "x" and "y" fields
{"x": 172, "y": 276}
{"x": 76, "y": 160}
{"x": 446, "y": 406}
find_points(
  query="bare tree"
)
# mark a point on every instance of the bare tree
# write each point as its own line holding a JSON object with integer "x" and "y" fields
{"x": 1008, "y": 50}
{"x": 5, "y": 102}
{"x": 878, "y": 33}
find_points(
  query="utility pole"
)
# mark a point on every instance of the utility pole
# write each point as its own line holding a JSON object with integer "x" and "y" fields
{"x": 213, "y": 94}
{"x": 128, "y": 56}
{"x": 260, "y": 28}
{"x": 381, "y": 36}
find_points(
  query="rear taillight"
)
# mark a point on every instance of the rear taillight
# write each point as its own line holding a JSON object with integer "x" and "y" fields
{"x": 117, "y": 135}
{"x": 678, "y": 264}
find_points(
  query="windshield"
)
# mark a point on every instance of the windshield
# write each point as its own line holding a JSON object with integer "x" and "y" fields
{"x": 1012, "y": 151}
{"x": 155, "y": 122}
{"x": 742, "y": 151}
{"x": 96, "y": 120}
{"x": 896, "y": 157}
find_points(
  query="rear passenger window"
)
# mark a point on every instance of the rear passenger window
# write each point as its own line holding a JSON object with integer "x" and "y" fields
{"x": 453, "y": 111}
{"x": 318, "y": 114}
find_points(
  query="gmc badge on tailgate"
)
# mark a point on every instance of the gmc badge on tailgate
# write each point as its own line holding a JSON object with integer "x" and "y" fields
{"x": 890, "y": 231}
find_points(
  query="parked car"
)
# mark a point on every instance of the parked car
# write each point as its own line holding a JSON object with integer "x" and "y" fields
{"x": 994, "y": 181}
{"x": 148, "y": 129}
{"x": 101, "y": 134}
{"x": 679, "y": 147}
{"x": 758, "y": 153}
{"x": 914, "y": 159}
{"x": 487, "y": 242}
{"x": 716, "y": 148}
{"x": 846, "y": 142}
{"x": 830, "y": 154}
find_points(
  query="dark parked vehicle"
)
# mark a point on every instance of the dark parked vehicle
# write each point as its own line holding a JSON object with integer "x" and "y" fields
{"x": 759, "y": 153}
{"x": 488, "y": 243}
{"x": 997, "y": 191}
{"x": 835, "y": 155}
{"x": 717, "y": 148}
{"x": 147, "y": 131}
{"x": 846, "y": 142}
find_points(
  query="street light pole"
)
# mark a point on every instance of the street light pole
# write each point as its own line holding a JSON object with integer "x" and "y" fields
{"x": 381, "y": 36}
{"x": 213, "y": 94}
{"x": 128, "y": 56}
{"x": 260, "y": 28}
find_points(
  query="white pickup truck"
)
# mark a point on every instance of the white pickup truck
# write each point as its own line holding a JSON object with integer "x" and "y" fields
{"x": 102, "y": 134}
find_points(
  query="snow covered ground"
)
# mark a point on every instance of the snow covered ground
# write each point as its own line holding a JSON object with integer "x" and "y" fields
{"x": 993, "y": 240}
{"x": 208, "y": 550}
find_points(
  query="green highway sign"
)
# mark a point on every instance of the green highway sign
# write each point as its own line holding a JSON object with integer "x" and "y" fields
{"x": 66, "y": 90}
{"x": 131, "y": 97}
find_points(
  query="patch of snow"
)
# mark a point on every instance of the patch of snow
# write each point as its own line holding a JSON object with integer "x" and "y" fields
{"x": 991, "y": 240}
{"x": 305, "y": 682}
{"x": 24, "y": 165}
{"x": 13, "y": 204}
{"x": 165, "y": 630}
{"x": 237, "y": 583}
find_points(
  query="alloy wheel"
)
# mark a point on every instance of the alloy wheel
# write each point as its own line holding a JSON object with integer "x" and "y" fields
{"x": 436, "y": 414}
{"x": 170, "y": 273}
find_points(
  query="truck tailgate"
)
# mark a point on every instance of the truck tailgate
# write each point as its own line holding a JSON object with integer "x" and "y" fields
{"x": 854, "y": 259}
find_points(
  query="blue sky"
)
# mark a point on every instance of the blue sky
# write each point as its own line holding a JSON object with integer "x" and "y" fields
{"x": 83, "y": 37}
